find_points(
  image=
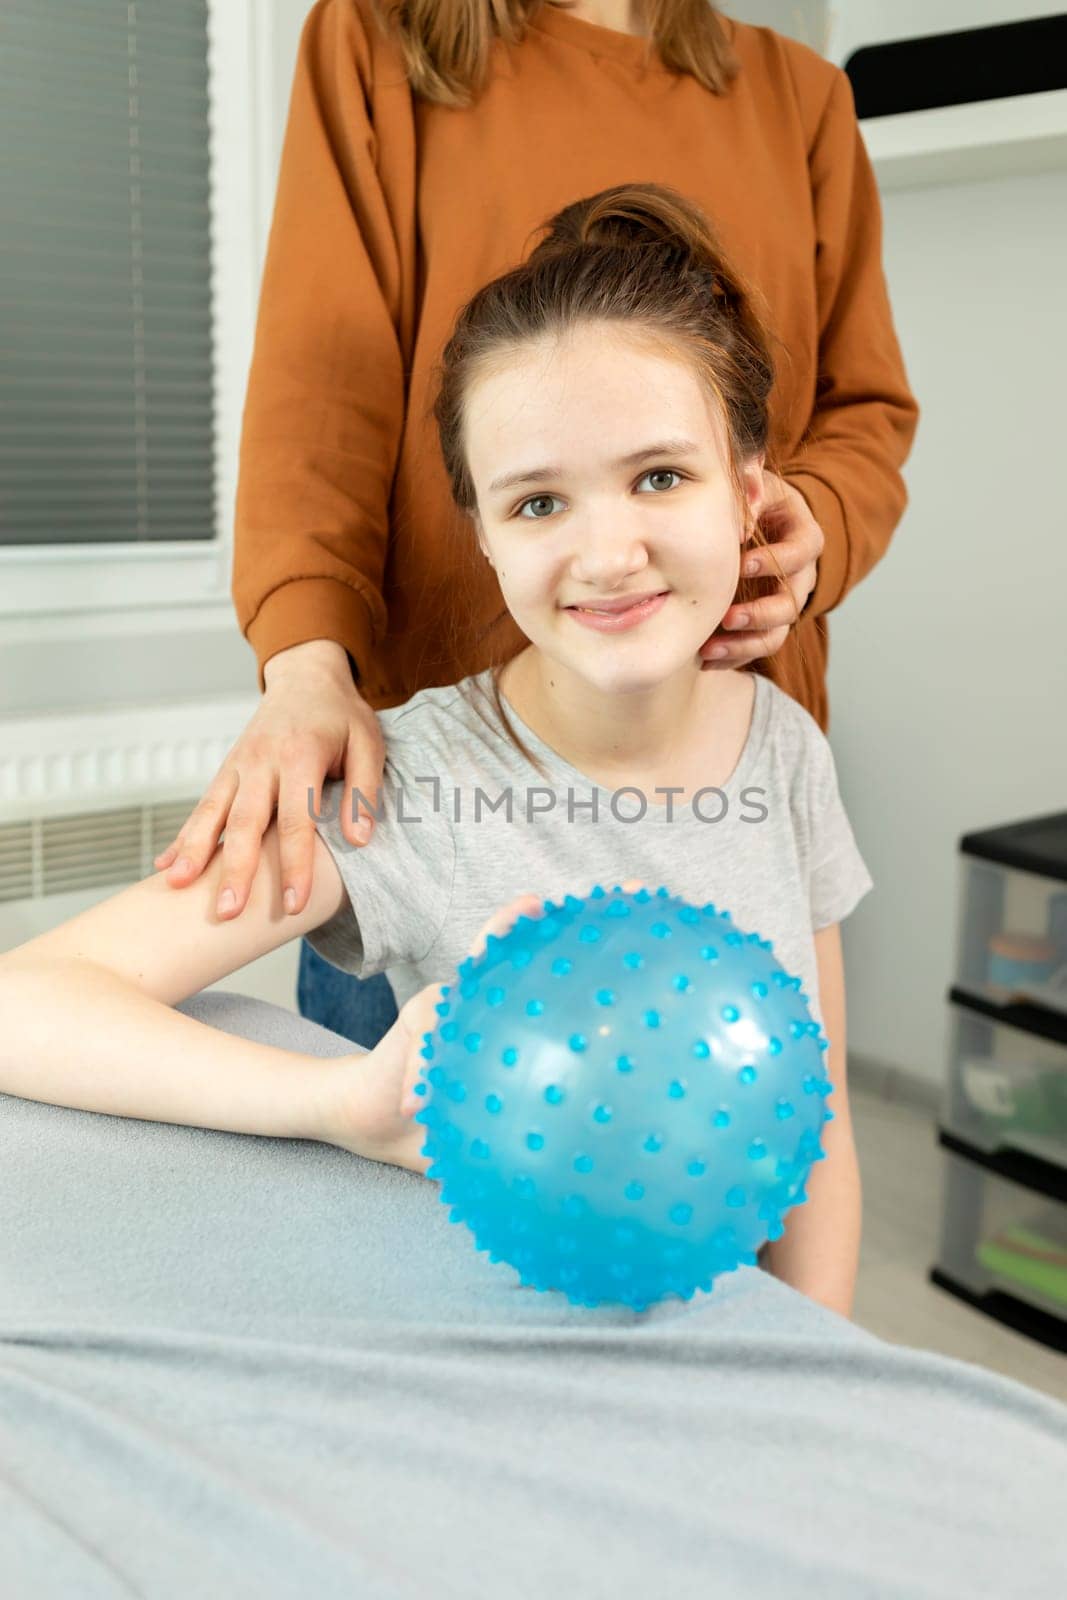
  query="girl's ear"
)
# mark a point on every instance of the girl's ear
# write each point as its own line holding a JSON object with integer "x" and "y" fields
{"x": 479, "y": 535}
{"x": 756, "y": 490}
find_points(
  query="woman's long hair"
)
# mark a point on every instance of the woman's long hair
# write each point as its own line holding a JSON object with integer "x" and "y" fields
{"x": 645, "y": 258}
{"x": 446, "y": 44}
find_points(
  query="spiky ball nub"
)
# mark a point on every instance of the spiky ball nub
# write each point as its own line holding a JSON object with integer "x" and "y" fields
{"x": 624, "y": 1096}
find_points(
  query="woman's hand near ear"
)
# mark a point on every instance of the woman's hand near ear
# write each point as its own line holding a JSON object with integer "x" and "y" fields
{"x": 312, "y": 724}
{"x": 760, "y": 627}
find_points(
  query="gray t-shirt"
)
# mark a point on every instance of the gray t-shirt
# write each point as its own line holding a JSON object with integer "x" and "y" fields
{"x": 465, "y": 824}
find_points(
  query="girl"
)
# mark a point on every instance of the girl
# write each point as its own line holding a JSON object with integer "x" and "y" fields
{"x": 424, "y": 144}
{"x": 602, "y": 413}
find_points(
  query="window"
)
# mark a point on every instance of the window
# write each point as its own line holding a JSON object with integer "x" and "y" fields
{"x": 127, "y": 296}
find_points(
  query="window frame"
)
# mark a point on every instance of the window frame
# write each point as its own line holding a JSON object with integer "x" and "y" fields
{"x": 39, "y": 581}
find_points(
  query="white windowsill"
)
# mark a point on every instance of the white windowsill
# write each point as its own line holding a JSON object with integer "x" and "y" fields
{"x": 59, "y": 579}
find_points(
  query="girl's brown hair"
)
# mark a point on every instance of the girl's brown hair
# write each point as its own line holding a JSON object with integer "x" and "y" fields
{"x": 446, "y": 44}
{"x": 644, "y": 257}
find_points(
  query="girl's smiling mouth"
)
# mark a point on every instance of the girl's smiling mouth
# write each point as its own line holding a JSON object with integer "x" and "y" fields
{"x": 619, "y": 621}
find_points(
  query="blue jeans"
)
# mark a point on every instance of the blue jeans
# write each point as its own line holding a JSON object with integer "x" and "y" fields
{"x": 360, "y": 1009}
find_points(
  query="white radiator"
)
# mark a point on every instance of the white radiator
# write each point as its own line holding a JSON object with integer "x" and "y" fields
{"x": 88, "y": 800}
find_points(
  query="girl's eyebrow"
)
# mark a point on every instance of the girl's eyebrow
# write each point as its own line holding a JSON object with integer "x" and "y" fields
{"x": 665, "y": 447}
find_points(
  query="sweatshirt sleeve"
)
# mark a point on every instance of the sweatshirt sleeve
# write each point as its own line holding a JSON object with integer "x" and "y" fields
{"x": 325, "y": 399}
{"x": 848, "y": 464}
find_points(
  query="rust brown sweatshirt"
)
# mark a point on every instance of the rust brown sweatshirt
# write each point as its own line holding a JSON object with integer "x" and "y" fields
{"x": 391, "y": 212}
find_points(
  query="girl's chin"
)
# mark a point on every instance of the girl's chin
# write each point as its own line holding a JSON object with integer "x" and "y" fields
{"x": 640, "y": 652}
{"x": 637, "y": 669}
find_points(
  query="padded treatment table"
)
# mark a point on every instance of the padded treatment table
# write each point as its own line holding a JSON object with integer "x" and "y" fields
{"x": 238, "y": 1366}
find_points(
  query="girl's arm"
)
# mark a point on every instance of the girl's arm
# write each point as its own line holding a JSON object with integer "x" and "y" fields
{"x": 819, "y": 1251}
{"x": 87, "y": 1018}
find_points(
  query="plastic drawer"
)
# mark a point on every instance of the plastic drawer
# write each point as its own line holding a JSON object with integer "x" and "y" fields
{"x": 1007, "y": 1083}
{"x": 1012, "y": 942}
{"x": 1004, "y": 1242}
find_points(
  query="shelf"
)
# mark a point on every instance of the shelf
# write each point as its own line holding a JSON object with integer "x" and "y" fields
{"x": 1039, "y": 1020}
{"x": 1037, "y": 845}
{"x": 1049, "y": 1152}
{"x": 1043, "y": 1326}
{"x": 1003, "y": 1241}
{"x": 1024, "y": 133}
{"x": 1029, "y": 1171}
{"x": 1003, "y": 1245}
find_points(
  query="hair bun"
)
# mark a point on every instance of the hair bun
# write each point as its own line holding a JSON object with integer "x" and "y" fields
{"x": 634, "y": 215}
{"x": 652, "y": 217}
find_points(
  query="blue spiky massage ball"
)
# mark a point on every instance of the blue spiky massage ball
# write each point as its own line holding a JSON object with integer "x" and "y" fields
{"x": 624, "y": 1097}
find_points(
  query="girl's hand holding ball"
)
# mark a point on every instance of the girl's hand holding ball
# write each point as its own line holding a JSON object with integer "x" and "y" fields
{"x": 371, "y": 1100}
{"x": 371, "y": 1103}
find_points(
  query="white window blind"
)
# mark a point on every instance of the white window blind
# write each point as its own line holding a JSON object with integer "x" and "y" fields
{"x": 107, "y": 425}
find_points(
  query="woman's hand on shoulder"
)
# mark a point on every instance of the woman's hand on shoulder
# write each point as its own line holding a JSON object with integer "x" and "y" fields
{"x": 311, "y": 724}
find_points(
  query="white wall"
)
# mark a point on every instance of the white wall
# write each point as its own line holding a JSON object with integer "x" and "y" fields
{"x": 948, "y": 671}
{"x": 807, "y": 20}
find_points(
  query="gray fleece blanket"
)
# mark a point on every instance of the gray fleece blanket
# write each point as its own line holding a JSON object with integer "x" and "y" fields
{"x": 236, "y": 1366}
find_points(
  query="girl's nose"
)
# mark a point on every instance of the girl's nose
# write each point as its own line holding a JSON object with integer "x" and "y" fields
{"x": 605, "y": 555}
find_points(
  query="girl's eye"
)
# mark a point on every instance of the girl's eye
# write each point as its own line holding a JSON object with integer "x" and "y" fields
{"x": 536, "y": 499}
{"x": 663, "y": 472}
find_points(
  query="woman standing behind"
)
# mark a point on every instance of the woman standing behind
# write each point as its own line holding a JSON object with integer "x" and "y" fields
{"x": 425, "y": 143}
